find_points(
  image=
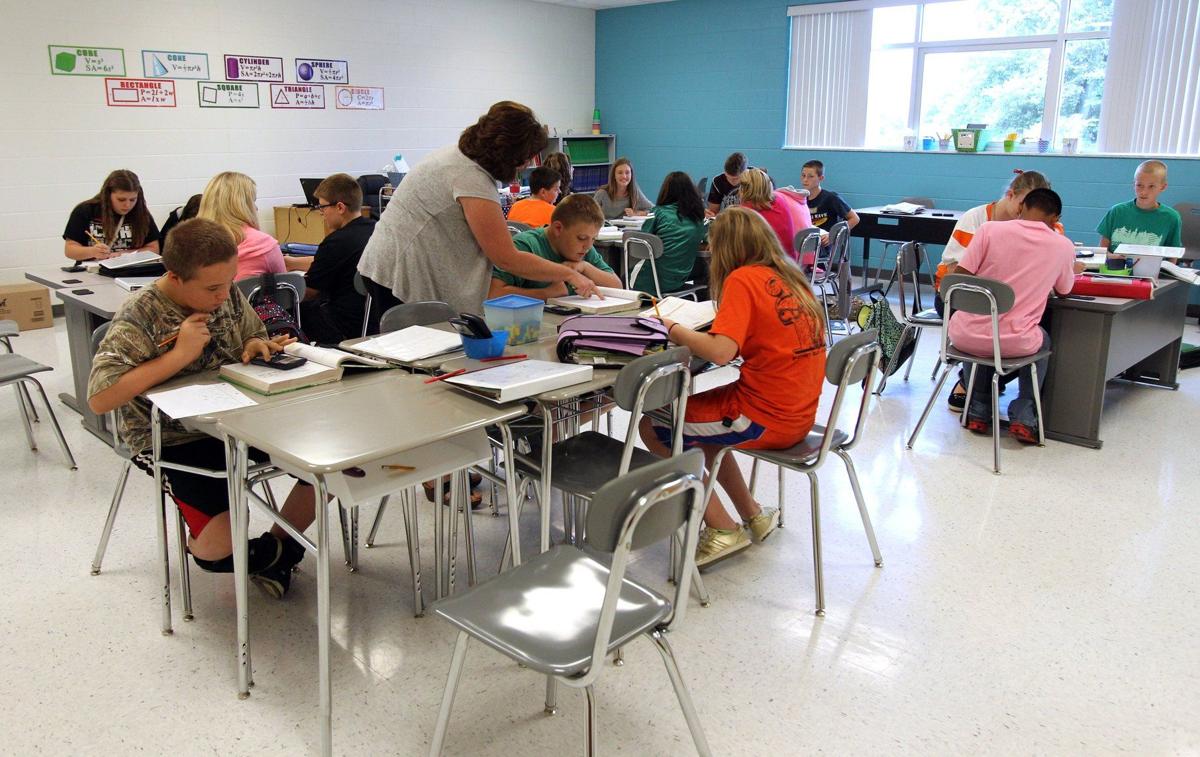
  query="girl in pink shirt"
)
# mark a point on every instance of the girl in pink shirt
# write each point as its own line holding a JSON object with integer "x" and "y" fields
{"x": 1035, "y": 260}
{"x": 229, "y": 200}
{"x": 785, "y": 215}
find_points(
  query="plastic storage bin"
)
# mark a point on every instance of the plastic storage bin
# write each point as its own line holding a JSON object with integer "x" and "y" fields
{"x": 969, "y": 140}
{"x": 516, "y": 314}
{"x": 480, "y": 349}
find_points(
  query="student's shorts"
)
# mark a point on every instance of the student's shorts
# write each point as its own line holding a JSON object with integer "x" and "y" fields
{"x": 715, "y": 418}
{"x": 199, "y": 498}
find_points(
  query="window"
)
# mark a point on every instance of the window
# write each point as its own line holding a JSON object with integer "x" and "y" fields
{"x": 1036, "y": 69}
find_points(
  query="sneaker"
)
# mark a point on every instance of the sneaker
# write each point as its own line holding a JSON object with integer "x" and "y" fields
{"x": 717, "y": 544}
{"x": 764, "y": 524}
{"x": 979, "y": 425}
{"x": 1023, "y": 433}
{"x": 275, "y": 581}
{"x": 958, "y": 398}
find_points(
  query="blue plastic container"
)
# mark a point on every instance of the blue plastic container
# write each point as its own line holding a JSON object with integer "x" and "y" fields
{"x": 478, "y": 349}
{"x": 516, "y": 314}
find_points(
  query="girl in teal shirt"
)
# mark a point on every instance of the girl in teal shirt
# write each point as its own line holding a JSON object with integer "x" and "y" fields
{"x": 679, "y": 221}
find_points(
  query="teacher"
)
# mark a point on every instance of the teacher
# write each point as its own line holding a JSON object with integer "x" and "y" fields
{"x": 443, "y": 230}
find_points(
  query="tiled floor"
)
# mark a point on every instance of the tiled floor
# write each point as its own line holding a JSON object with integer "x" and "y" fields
{"x": 1051, "y": 610}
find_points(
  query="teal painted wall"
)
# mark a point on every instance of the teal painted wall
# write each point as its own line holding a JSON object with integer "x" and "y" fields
{"x": 682, "y": 84}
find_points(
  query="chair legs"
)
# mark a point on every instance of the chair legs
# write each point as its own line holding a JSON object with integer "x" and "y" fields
{"x": 185, "y": 576}
{"x": 164, "y": 561}
{"x": 929, "y": 405}
{"x": 852, "y": 473}
{"x": 913, "y": 358}
{"x": 411, "y": 534}
{"x": 27, "y": 414}
{"x": 995, "y": 421}
{"x": 818, "y": 577}
{"x": 589, "y": 736}
{"x": 1037, "y": 405}
{"x": 681, "y": 693}
{"x": 452, "y": 680}
{"x": 102, "y": 547}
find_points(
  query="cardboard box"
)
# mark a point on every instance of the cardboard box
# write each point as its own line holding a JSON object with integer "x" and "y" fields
{"x": 27, "y": 304}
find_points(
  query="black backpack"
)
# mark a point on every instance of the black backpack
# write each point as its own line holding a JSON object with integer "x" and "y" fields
{"x": 274, "y": 316}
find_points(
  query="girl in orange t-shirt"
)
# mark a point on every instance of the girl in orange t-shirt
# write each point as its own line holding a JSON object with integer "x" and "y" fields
{"x": 766, "y": 313}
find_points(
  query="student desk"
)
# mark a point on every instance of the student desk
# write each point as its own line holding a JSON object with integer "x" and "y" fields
{"x": 85, "y": 313}
{"x": 56, "y": 278}
{"x": 399, "y": 419}
{"x": 922, "y": 227}
{"x": 1095, "y": 341}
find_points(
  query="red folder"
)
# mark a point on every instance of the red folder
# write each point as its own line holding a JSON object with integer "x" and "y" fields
{"x": 1130, "y": 287}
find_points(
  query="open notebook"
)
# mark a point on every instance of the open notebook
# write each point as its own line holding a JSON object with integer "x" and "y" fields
{"x": 410, "y": 344}
{"x": 694, "y": 315}
{"x": 324, "y": 366}
{"x": 615, "y": 300}
{"x": 130, "y": 259}
{"x": 516, "y": 381}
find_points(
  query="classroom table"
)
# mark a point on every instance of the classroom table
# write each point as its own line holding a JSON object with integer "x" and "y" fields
{"x": 400, "y": 419}
{"x": 86, "y": 309}
{"x": 56, "y": 278}
{"x": 925, "y": 227}
{"x": 1095, "y": 341}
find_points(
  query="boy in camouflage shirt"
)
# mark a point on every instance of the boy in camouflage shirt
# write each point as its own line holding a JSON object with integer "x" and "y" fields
{"x": 193, "y": 319}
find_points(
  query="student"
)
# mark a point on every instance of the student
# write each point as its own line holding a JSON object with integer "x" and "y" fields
{"x": 535, "y": 210}
{"x": 826, "y": 207}
{"x": 332, "y": 309}
{"x": 229, "y": 200}
{"x": 621, "y": 196}
{"x": 568, "y": 240}
{"x": 723, "y": 191}
{"x": 679, "y": 221}
{"x": 193, "y": 319}
{"x": 189, "y": 209}
{"x": 767, "y": 315}
{"x": 562, "y": 164}
{"x": 116, "y": 220}
{"x": 785, "y": 215}
{"x": 1030, "y": 256}
{"x": 1005, "y": 209}
{"x": 1141, "y": 220}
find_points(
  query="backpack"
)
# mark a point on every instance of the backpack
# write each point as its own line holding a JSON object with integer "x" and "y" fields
{"x": 609, "y": 339}
{"x": 275, "y": 318}
{"x": 878, "y": 315}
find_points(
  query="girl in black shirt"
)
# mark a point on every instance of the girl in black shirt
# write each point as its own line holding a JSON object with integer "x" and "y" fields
{"x": 116, "y": 220}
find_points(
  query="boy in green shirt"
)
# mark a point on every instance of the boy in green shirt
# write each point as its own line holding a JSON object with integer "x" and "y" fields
{"x": 1142, "y": 220}
{"x": 568, "y": 240}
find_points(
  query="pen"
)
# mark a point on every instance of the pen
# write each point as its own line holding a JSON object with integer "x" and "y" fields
{"x": 398, "y": 468}
{"x": 503, "y": 357}
{"x": 451, "y": 374}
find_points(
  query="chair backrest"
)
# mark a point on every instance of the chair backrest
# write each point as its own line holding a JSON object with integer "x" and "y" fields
{"x": 118, "y": 447}
{"x": 924, "y": 201}
{"x": 360, "y": 286}
{"x": 649, "y": 383}
{"x": 701, "y": 186}
{"x": 642, "y": 246}
{"x": 851, "y": 361}
{"x": 806, "y": 241}
{"x": 290, "y": 284}
{"x": 980, "y": 296}
{"x": 1190, "y": 213}
{"x": 516, "y": 227}
{"x": 371, "y": 185}
{"x": 415, "y": 314}
{"x": 637, "y": 510}
{"x": 910, "y": 259}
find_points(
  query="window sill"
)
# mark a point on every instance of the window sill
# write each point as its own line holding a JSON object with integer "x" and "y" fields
{"x": 994, "y": 153}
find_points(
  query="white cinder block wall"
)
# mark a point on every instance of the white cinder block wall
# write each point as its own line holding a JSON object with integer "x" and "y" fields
{"x": 441, "y": 63}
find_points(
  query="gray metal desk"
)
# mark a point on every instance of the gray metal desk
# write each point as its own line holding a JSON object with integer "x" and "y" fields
{"x": 397, "y": 419}
{"x": 84, "y": 314}
{"x": 56, "y": 278}
{"x": 1095, "y": 341}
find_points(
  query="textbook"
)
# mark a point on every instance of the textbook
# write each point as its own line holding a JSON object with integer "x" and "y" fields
{"x": 130, "y": 259}
{"x": 266, "y": 380}
{"x": 902, "y": 209}
{"x": 517, "y": 381}
{"x": 1186, "y": 275}
{"x": 134, "y": 283}
{"x": 410, "y": 344}
{"x": 694, "y": 315}
{"x": 331, "y": 358}
{"x": 615, "y": 300}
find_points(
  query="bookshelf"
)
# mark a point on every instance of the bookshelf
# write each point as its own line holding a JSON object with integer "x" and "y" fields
{"x": 591, "y": 157}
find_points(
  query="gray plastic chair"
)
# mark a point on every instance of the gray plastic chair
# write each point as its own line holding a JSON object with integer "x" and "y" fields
{"x": 18, "y": 371}
{"x": 831, "y": 275}
{"x": 360, "y": 286}
{"x": 290, "y": 283}
{"x": 9, "y": 329}
{"x": 561, "y": 612}
{"x": 910, "y": 260}
{"x": 981, "y": 296}
{"x": 516, "y": 227}
{"x": 701, "y": 187}
{"x": 647, "y": 248}
{"x": 1189, "y": 212}
{"x": 415, "y": 314}
{"x": 853, "y": 360}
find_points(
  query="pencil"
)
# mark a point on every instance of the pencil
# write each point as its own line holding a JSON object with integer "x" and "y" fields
{"x": 168, "y": 340}
{"x": 398, "y": 468}
{"x": 92, "y": 237}
{"x": 451, "y": 374}
{"x": 654, "y": 300}
{"x": 503, "y": 357}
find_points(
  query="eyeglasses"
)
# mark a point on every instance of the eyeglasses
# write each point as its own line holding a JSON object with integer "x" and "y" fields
{"x": 322, "y": 207}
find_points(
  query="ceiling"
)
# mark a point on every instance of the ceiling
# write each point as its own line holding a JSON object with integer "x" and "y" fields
{"x": 600, "y": 4}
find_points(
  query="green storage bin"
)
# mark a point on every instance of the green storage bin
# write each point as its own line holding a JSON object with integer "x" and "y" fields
{"x": 587, "y": 150}
{"x": 969, "y": 140}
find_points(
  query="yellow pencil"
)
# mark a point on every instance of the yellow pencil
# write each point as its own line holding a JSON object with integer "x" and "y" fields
{"x": 656, "y": 310}
{"x": 93, "y": 238}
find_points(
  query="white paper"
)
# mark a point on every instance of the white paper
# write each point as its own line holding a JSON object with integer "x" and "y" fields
{"x": 1148, "y": 250}
{"x": 689, "y": 313}
{"x": 201, "y": 399}
{"x": 903, "y": 208}
{"x": 1190, "y": 275}
{"x": 270, "y": 375}
{"x": 328, "y": 357}
{"x": 126, "y": 259}
{"x": 412, "y": 343}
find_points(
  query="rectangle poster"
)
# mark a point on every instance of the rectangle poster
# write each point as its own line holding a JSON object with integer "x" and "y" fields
{"x": 253, "y": 68}
{"x": 298, "y": 96}
{"x": 358, "y": 98}
{"x": 139, "y": 93}
{"x": 322, "y": 71}
{"x": 167, "y": 64}
{"x": 222, "y": 94}
{"x": 68, "y": 60}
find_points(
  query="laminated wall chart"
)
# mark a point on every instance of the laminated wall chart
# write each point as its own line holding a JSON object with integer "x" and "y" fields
{"x": 240, "y": 89}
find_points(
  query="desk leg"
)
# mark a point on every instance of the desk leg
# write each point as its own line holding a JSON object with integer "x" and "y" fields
{"x": 511, "y": 493}
{"x": 1073, "y": 395}
{"x": 236, "y": 455}
{"x": 323, "y": 621}
{"x": 80, "y": 325}
{"x": 548, "y": 413}
{"x": 1159, "y": 369}
{"x": 866, "y": 259}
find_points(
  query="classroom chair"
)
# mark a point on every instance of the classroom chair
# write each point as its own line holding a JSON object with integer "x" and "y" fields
{"x": 831, "y": 277}
{"x": 290, "y": 284}
{"x": 562, "y": 611}
{"x": 516, "y": 227}
{"x": 372, "y": 186}
{"x": 1189, "y": 212}
{"x": 980, "y": 296}
{"x": 647, "y": 248}
{"x": 18, "y": 371}
{"x": 807, "y": 242}
{"x": 9, "y": 329}
{"x": 360, "y": 286}
{"x": 853, "y": 360}
{"x": 701, "y": 186}
{"x": 927, "y": 203}
{"x": 909, "y": 262}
